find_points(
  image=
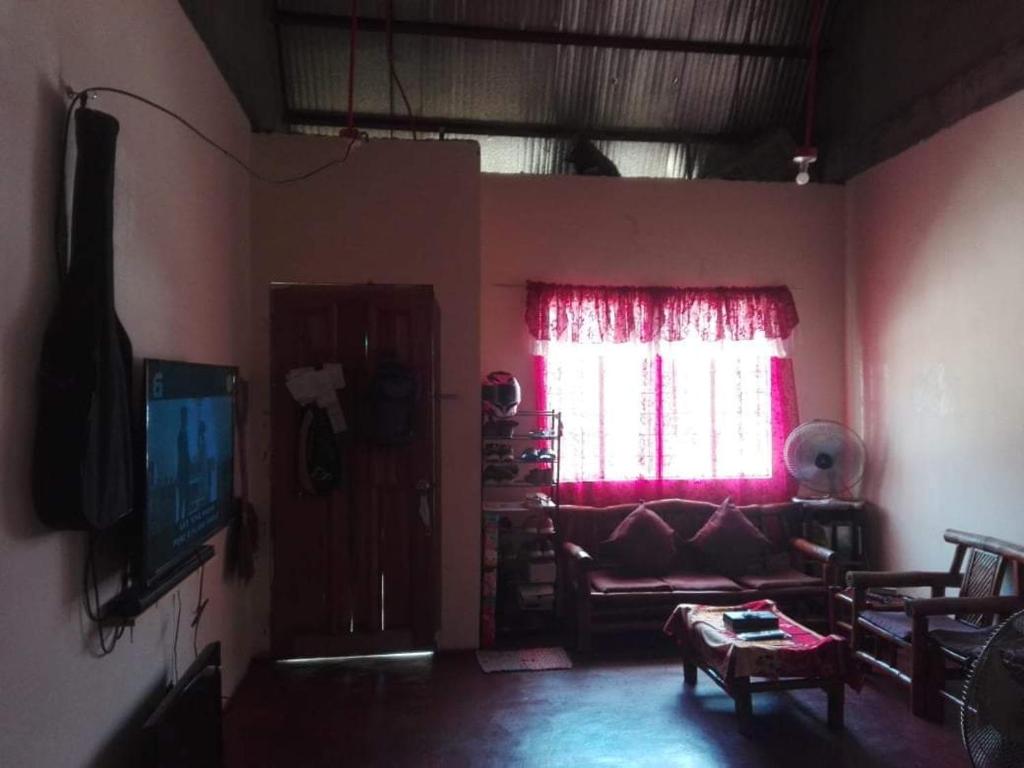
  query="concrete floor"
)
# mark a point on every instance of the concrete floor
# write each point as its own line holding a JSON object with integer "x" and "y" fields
{"x": 607, "y": 711}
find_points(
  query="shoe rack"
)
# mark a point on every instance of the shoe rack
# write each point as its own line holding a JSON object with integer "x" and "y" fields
{"x": 519, "y": 480}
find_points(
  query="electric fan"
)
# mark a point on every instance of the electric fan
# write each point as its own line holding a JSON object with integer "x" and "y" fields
{"x": 825, "y": 456}
{"x": 992, "y": 717}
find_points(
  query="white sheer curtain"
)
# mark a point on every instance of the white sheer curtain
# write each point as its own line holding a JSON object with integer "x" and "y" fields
{"x": 688, "y": 410}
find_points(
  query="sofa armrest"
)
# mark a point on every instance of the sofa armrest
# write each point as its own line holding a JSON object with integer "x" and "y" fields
{"x": 578, "y": 556}
{"x": 812, "y": 551}
{"x": 934, "y": 579}
{"x": 942, "y": 606}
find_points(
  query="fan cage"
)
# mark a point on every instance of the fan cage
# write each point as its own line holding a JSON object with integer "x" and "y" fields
{"x": 986, "y": 745}
{"x": 837, "y": 442}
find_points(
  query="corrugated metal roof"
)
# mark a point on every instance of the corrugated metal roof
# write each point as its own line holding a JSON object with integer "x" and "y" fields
{"x": 732, "y": 99}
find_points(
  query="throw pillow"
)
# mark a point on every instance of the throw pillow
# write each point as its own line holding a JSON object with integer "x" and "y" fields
{"x": 730, "y": 544}
{"x": 642, "y": 543}
{"x": 687, "y": 558}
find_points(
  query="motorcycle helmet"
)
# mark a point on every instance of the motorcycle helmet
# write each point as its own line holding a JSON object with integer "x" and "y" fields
{"x": 501, "y": 394}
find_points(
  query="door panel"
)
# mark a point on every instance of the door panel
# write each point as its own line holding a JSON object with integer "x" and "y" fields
{"x": 356, "y": 570}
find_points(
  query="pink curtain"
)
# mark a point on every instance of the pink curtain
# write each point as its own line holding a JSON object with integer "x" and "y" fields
{"x": 655, "y": 424}
{"x": 603, "y": 314}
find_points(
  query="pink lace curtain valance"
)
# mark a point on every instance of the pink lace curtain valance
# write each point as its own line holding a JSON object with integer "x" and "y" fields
{"x": 617, "y": 315}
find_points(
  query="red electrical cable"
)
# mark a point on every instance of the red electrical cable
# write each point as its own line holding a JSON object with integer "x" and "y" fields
{"x": 812, "y": 71}
{"x": 353, "y": 36}
{"x": 394, "y": 73}
{"x": 389, "y": 40}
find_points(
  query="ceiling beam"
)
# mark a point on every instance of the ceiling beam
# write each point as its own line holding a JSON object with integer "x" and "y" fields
{"x": 447, "y": 125}
{"x": 543, "y": 37}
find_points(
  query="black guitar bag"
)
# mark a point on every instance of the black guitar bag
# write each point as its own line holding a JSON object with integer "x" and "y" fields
{"x": 82, "y": 469}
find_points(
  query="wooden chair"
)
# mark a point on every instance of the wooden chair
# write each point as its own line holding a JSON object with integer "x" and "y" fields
{"x": 924, "y": 627}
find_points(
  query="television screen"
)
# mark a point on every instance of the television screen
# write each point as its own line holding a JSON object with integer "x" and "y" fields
{"x": 189, "y": 459}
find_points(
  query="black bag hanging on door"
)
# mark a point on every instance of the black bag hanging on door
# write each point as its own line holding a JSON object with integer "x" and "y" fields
{"x": 82, "y": 465}
{"x": 393, "y": 392}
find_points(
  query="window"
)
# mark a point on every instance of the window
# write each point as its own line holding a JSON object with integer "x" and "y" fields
{"x": 666, "y": 391}
{"x": 676, "y": 411}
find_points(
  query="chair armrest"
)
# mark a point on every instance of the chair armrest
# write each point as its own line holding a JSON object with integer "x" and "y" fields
{"x": 867, "y": 579}
{"x": 578, "y": 555}
{"x": 812, "y": 551}
{"x": 942, "y": 606}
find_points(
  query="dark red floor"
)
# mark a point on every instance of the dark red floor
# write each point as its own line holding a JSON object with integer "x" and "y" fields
{"x": 608, "y": 711}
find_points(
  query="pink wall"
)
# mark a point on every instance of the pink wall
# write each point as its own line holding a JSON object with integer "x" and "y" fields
{"x": 936, "y": 331}
{"x": 652, "y": 232}
{"x": 933, "y": 322}
{"x": 403, "y": 212}
{"x": 182, "y": 218}
{"x": 396, "y": 212}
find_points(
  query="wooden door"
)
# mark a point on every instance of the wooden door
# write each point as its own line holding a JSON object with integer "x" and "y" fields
{"x": 356, "y": 570}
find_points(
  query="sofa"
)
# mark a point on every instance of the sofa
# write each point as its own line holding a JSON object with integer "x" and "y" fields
{"x": 602, "y": 596}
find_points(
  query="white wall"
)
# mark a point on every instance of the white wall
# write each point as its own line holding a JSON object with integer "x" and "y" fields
{"x": 587, "y": 230}
{"x": 181, "y": 241}
{"x": 397, "y": 212}
{"x": 935, "y": 240}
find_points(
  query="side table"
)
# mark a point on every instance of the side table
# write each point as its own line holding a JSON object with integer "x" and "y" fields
{"x": 840, "y": 522}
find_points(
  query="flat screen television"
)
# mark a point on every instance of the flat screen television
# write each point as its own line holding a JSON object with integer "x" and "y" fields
{"x": 189, "y": 460}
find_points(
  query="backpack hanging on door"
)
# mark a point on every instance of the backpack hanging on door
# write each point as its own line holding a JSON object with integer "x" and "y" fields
{"x": 393, "y": 391}
{"x": 82, "y": 464}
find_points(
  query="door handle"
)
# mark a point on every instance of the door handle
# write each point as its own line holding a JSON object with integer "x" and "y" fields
{"x": 423, "y": 489}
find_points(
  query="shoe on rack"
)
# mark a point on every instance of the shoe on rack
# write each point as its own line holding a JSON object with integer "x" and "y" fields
{"x": 531, "y": 551}
{"x": 500, "y": 473}
{"x": 538, "y": 476}
{"x": 500, "y": 428}
{"x": 498, "y": 452}
{"x": 538, "y": 501}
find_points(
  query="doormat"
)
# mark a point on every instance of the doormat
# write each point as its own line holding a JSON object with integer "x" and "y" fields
{"x": 524, "y": 660}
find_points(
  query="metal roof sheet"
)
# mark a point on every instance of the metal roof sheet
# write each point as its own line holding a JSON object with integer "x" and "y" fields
{"x": 559, "y": 90}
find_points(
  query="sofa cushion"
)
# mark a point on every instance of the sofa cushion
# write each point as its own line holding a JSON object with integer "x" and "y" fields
{"x": 589, "y": 526}
{"x": 897, "y": 623}
{"x": 777, "y": 579}
{"x": 643, "y": 543}
{"x": 687, "y": 558}
{"x": 688, "y": 581}
{"x": 618, "y": 581}
{"x": 730, "y": 544}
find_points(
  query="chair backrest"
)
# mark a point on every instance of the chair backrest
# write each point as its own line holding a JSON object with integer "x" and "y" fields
{"x": 987, "y": 560}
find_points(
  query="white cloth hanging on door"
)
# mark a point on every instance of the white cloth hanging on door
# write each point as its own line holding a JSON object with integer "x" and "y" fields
{"x": 320, "y": 386}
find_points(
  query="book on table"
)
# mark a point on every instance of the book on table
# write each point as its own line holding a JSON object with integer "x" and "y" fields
{"x": 750, "y": 621}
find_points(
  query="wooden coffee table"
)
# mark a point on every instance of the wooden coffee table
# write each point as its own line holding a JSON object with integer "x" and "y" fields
{"x": 741, "y": 668}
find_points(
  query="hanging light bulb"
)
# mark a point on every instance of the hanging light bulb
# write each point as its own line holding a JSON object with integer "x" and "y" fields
{"x": 803, "y": 159}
